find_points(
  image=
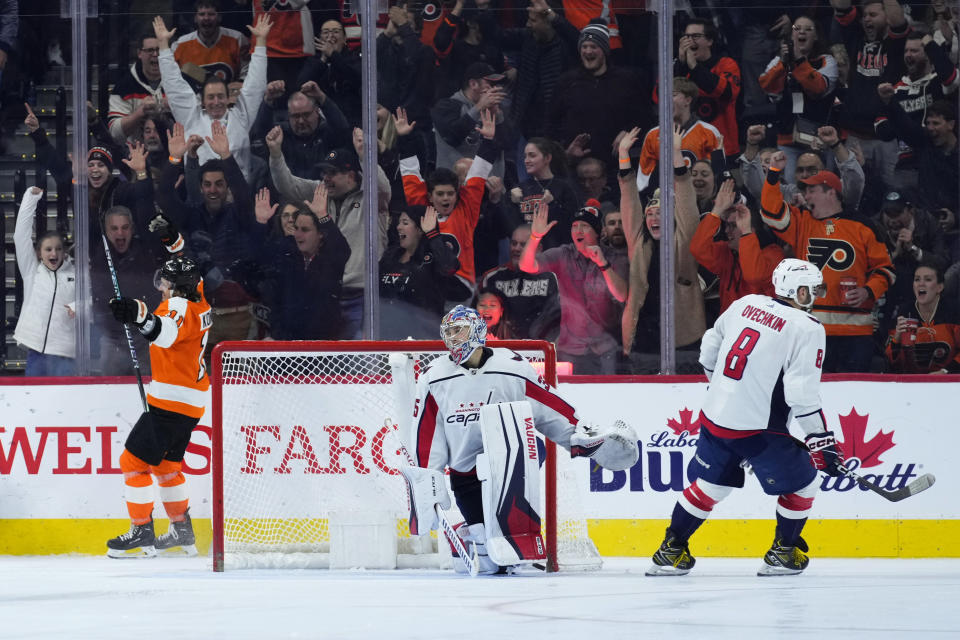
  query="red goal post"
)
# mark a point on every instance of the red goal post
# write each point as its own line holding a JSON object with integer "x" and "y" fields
{"x": 266, "y": 392}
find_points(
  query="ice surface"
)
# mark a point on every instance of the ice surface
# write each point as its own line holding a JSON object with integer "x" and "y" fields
{"x": 85, "y": 597}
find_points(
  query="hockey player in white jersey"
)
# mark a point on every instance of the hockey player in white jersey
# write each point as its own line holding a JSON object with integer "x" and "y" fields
{"x": 763, "y": 358}
{"x": 448, "y": 433}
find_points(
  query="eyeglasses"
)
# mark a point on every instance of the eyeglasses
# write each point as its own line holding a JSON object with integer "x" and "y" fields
{"x": 800, "y": 29}
{"x": 153, "y": 52}
{"x": 695, "y": 36}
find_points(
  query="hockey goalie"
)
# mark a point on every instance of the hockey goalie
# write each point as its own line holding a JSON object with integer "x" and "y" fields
{"x": 477, "y": 413}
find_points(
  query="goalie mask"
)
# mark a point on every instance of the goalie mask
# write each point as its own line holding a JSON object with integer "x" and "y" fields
{"x": 183, "y": 276}
{"x": 463, "y": 332}
{"x": 792, "y": 274}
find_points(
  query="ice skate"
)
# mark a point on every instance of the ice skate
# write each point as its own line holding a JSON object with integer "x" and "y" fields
{"x": 179, "y": 539}
{"x": 784, "y": 560}
{"x": 672, "y": 558}
{"x": 136, "y": 543}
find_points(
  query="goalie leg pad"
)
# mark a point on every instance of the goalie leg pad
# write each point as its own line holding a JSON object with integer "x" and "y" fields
{"x": 615, "y": 448}
{"x": 427, "y": 487}
{"x": 509, "y": 473}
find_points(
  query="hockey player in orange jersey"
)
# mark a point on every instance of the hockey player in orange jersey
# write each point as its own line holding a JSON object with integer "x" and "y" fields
{"x": 177, "y": 332}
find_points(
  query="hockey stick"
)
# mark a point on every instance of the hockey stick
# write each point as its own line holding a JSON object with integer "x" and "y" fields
{"x": 400, "y": 378}
{"x": 922, "y": 483}
{"x": 126, "y": 327}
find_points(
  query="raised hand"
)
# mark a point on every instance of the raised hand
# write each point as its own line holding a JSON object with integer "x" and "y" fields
{"x": 163, "y": 34}
{"x": 312, "y": 90}
{"x": 319, "y": 203}
{"x": 580, "y": 146}
{"x": 429, "y": 221}
{"x": 401, "y": 124}
{"x": 262, "y": 207}
{"x": 778, "y": 161}
{"x": 274, "y": 140}
{"x": 138, "y": 157}
{"x": 488, "y": 124}
{"x": 724, "y": 199}
{"x": 219, "y": 142}
{"x": 261, "y": 29}
{"x": 541, "y": 224}
{"x": 628, "y": 140}
{"x": 595, "y": 253}
{"x": 274, "y": 90}
{"x": 755, "y": 134}
{"x": 194, "y": 142}
{"x": 677, "y": 137}
{"x": 885, "y": 91}
{"x": 828, "y": 136}
{"x": 176, "y": 144}
{"x": 31, "y": 121}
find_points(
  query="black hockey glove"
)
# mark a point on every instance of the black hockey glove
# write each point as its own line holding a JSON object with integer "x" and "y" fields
{"x": 167, "y": 232}
{"x": 129, "y": 310}
{"x": 824, "y": 453}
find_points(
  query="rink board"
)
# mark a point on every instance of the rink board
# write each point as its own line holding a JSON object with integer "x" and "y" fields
{"x": 61, "y": 488}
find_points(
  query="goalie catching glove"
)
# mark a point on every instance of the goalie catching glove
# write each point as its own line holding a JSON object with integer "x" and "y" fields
{"x": 168, "y": 234}
{"x": 824, "y": 453}
{"x": 615, "y": 448}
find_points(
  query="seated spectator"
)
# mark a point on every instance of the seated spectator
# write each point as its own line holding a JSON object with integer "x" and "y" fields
{"x": 220, "y": 229}
{"x": 135, "y": 262}
{"x": 598, "y": 100}
{"x": 492, "y": 308}
{"x": 742, "y": 261}
{"x": 45, "y": 326}
{"x": 335, "y": 68}
{"x": 305, "y": 299}
{"x": 930, "y": 76}
{"x": 717, "y": 79}
{"x": 197, "y": 118}
{"x": 458, "y": 208}
{"x": 704, "y": 182}
{"x": 219, "y": 51}
{"x": 412, "y": 277}
{"x": 138, "y": 93}
{"x": 850, "y": 254}
{"x": 457, "y": 118}
{"x": 545, "y": 164}
{"x": 702, "y": 140}
{"x": 934, "y": 146}
{"x": 531, "y": 300}
{"x": 592, "y": 181}
{"x": 800, "y": 81}
{"x": 809, "y": 163}
{"x": 641, "y": 226}
{"x": 345, "y": 189}
{"x": 591, "y": 289}
{"x": 926, "y": 338}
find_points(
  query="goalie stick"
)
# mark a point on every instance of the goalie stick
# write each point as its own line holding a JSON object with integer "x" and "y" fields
{"x": 401, "y": 379}
{"x": 922, "y": 483}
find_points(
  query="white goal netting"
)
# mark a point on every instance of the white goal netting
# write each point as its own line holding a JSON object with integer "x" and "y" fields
{"x": 307, "y": 443}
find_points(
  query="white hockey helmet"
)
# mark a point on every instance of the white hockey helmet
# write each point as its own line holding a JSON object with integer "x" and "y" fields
{"x": 463, "y": 331}
{"x": 791, "y": 274}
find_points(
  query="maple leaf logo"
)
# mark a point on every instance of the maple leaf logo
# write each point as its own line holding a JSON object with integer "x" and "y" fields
{"x": 855, "y": 443}
{"x": 685, "y": 424}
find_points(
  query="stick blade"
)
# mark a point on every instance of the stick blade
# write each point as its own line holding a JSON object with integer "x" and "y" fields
{"x": 922, "y": 483}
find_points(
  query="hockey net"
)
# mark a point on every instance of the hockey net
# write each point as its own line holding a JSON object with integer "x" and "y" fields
{"x": 309, "y": 434}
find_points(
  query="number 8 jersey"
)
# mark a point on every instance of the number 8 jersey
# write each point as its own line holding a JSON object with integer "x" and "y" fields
{"x": 763, "y": 358}
{"x": 179, "y": 375}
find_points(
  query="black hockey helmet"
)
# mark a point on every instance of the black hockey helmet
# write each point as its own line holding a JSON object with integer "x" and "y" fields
{"x": 184, "y": 276}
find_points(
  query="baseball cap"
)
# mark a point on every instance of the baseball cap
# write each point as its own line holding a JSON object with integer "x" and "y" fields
{"x": 479, "y": 70}
{"x": 826, "y": 178}
{"x": 340, "y": 160}
{"x": 895, "y": 201}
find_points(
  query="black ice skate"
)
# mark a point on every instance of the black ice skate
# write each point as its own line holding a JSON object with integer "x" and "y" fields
{"x": 672, "y": 558}
{"x": 179, "y": 539}
{"x": 784, "y": 560}
{"x": 136, "y": 543}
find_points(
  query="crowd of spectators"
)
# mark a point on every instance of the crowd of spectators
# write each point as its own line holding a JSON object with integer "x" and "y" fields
{"x": 518, "y": 171}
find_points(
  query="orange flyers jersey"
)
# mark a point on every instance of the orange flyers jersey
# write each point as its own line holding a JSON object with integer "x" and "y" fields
{"x": 841, "y": 247}
{"x": 291, "y": 35}
{"x": 462, "y": 221}
{"x": 935, "y": 347}
{"x": 180, "y": 381}
{"x": 223, "y": 59}
{"x": 701, "y": 139}
{"x": 580, "y": 13}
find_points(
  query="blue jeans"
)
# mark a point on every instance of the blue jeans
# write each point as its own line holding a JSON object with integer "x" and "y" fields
{"x": 44, "y": 365}
{"x": 351, "y": 318}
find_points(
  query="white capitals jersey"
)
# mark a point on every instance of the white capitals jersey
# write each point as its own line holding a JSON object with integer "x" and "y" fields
{"x": 446, "y": 415}
{"x": 764, "y": 359}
